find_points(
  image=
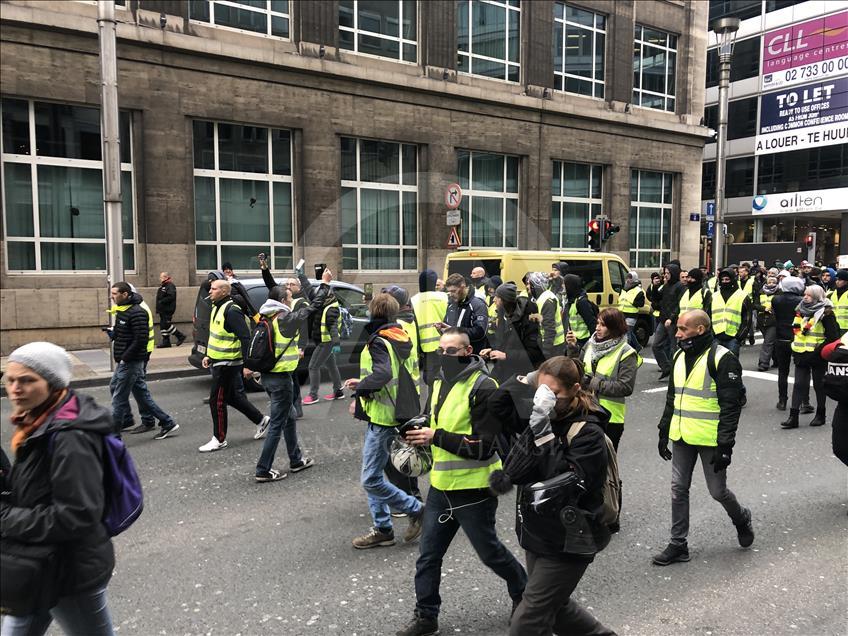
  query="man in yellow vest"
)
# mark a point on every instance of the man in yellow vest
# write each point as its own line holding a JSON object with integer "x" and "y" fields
{"x": 478, "y": 282}
{"x": 551, "y": 329}
{"x": 580, "y": 314}
{"x": 377, "y": 402}
{"x": 630, "y": 301}
{"x": 731, "y": 312}
{"x": 279, "y": 382}
{"x": 463, "y": 437}
{"x": 229, "y": 339}
{"x": 751, "y": 287}
{"x": 701, "y": 415}
{"x": 429, "y": 307}
{"x": 839, "y": 298}
{"x": 132, "y": 341}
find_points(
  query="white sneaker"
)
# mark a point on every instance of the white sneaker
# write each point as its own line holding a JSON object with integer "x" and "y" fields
{"x": 212, "y": 445}
{"x": 262, "y": 428}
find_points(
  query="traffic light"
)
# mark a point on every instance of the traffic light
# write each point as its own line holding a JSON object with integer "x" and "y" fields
{"x": 607, "y": 230}
{"x": 593, "y": 237}
{"x": 810, "y": 240}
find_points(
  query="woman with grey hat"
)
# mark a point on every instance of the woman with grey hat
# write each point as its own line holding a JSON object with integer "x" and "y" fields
{"x": 56, "y": 553}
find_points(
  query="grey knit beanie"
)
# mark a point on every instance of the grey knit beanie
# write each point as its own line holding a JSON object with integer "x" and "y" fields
{"x": 49, "y": 361}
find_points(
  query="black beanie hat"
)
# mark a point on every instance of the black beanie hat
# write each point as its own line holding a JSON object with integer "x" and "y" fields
{"x": 507, "y": 292}
{"x": 697, "y": 274}
{"x": 427, "y": 280}
{"x": 842, "y": 274}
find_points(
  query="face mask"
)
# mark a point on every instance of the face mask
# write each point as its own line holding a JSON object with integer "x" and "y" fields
{"x": 452, "y": 366}
{"x": 686, "y": 344}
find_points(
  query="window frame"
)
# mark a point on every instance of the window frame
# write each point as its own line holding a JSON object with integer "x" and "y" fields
{"x": 356, "y": 31}
{"x": 504, "y": 4}
{"x": 267, "y": 11}
{"x": 589, "y": 201}
{"x": 358, "y": 185}
{"x": 562, "y": 74}
{"x": 216, "y": 173}
{"x": 666, "y": 96}
{"x": 34, "y": 160}
{"x": 663, "y": 252}
{"x": 469, "y": 194}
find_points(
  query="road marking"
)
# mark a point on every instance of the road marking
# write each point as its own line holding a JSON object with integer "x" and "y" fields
{"x": 758, "y": 375}
{"x": 656, "y": 390}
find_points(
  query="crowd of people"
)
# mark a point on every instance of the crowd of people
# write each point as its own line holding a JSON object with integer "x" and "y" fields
{"x": 489, "y": 384}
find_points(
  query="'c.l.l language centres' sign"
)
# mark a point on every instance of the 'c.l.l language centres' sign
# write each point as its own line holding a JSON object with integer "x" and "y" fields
{"x": 806, "y": 52}
{"x": 804, "y": 117}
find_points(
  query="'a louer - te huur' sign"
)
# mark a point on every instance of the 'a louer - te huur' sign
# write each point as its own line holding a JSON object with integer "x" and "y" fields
{"x": 810, "y": 51}
{"x": 804, "y": 117}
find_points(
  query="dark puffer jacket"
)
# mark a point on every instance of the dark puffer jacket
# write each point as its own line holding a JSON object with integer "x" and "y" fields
{"x": 130, "y": 333}
{"x": 166, "y": 299}
{"x": 57, "y": 494}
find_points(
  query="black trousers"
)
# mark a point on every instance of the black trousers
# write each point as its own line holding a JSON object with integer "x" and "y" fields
{"x": 614, "y": 432}
{"x": 840, "y": 432}
{"x": 228, "y": 390}
{"x": 783, "y": 355}
{"x": 547, "y": 607}
{"x": 167, "y": 329}
{"x": 801, "y": 390}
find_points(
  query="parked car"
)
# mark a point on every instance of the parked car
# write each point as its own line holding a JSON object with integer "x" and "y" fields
{"x": 349, "y": 296}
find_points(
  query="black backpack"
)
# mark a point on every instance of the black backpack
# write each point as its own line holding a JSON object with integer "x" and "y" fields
{"x": 260, "y": 354}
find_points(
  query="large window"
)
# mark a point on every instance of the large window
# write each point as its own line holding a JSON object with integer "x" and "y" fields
{"x": 740, "y": 177}
{"x": 579, "y": 40}
{"x": 741, "y": 118}
{"x": 488, "y": 38}
{"x": 745, "y": 62}
{"x": 379, "y": 27}
{"x": 808, "y": 169}
{"x": 489, "y": 205}
{"x": 650, "y": 218}
{"x": 242, "y": 195}
{"x": 54, "y": 218}
{"x": 576, "y": 198}
{"x": 379, "y": 205}
{"x": 268, "y": 17}
{"x": 654, "y": 63}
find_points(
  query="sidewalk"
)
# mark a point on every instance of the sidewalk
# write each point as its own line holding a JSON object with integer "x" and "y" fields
{"x": 91, "y": 366}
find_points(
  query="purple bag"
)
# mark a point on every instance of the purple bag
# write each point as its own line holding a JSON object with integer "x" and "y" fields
{"x": 124, "y": 498}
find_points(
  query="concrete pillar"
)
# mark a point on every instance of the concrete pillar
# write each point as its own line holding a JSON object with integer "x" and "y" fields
{"x": 316, "y": 22}
{"x": 617, "y": 206}
{"x": 537, "y": 23}
{"x": 437, "y": 26}
{"x": 620, "y": 47}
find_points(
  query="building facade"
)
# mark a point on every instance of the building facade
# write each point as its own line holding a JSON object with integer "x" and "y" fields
{"x": 330, "y": 131}
{"x": 787, "y": 151}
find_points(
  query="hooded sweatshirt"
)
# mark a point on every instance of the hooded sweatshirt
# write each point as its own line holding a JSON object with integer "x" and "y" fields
{"x": 550, "y": 313}
{"x": 576, "y": 294}
{"x": 57, "y": 495}
{"x": 671, "y": 293}
{"x": 726, "y": 291}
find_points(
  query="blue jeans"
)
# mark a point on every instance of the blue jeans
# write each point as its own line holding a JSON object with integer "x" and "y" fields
{"x": 280, "y": 389}
{"x": 85, "y": 614}
{"x": 129, "y": 377}
{"x": 477, "y": 520}
{"x": 383, "y": 496}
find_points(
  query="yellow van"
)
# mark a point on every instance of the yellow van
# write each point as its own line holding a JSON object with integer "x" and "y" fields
{"x": 603, "y": 274}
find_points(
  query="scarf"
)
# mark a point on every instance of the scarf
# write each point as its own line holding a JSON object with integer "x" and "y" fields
{"x": 600, "y": 349}
{"x": 769, "y": 290}
{"x": 815, "y": 309}
{"x": 28, "y": 422}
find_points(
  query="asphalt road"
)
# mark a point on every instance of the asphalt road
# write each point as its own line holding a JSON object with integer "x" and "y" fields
{"x": 217, "y": 553}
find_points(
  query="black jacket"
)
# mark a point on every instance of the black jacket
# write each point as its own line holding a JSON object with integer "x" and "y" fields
{"x": 379, "y": 333}
{"x": 57, "y": 494}
{"x": 235, "y": 323}
{"x": 584, "y": 309}
{"x": 166, "y": 299}
{"x": 783, "y": 307}
{"x": 729, "y": 391}
{"x": 518, "y": 337}
{"x": 654, "y": 295}
{"x": 544, "y": 532}
{"x": 333, "y": 313}
{"x": 300, "y": 300}
{"x": 671, "y": 293}
{"x": 472, "y": 316}
{"x": 129, "y": 336}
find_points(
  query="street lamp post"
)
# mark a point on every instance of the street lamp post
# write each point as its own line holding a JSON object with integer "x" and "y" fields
{"x": 726, "y": 29}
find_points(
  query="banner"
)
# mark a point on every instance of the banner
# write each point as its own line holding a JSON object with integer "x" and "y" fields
{"x": 806, "y": 52}
{"x": 803, "y": 117}
{"x": 800, "y": 202}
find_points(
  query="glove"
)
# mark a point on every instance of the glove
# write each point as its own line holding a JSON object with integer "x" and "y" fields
{"x": 336, "y": 349}
{"x": 543, "y": 403}
{"x": 721, "y": 458}
{"x": 662, "y": 447}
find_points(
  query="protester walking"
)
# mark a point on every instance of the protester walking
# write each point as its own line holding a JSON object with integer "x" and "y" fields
{"x": 695, "y": 296}
{"x": 669, "y": 305}
{"x": 324, "y": 330}
{"x": 132, "y": 341}
{"x": 580, "y": 313}
{"x": 559, "y": 464}
{"x": 783, "y": 307}
{"x": 610, "y": 364}
{"x": 630, "y": 301}
{"x": 466, "y": 311}
{"x": 814, "y": 326}
{"x": 229, "y": 340}
{"x": 384, "y": 357}
{"x": 701, "y": 416}
{"x": 839, "y": 298}
{"x": 551, "y": 329}
{"x": 429, "y": 307}
{"x": 279, "y": 382}
{"x": 53, "y": 500}
{"x": 462, "y": 434}
{"x": 166, "y": 307}
{"x": 836, "y": 388}
{"x": 731, "y": 312}
{"x": 766, "y": 321}
{"x": 515, "y": 345}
